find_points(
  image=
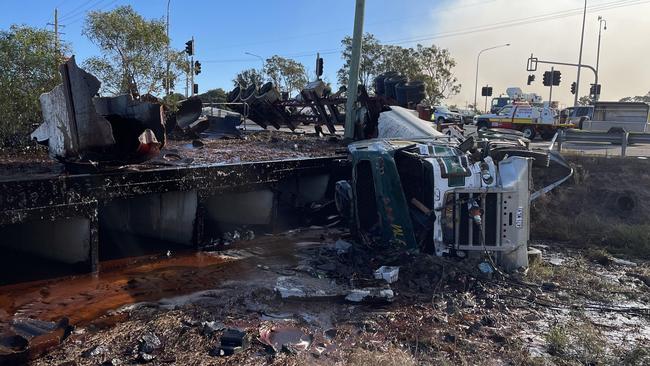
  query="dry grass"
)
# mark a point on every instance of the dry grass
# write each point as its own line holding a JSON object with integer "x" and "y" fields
{"x": 603, "y": 205}
{"x": 390, "y": 357}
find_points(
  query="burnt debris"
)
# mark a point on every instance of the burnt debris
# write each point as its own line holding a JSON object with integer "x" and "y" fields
{"x": 80, "y": 127}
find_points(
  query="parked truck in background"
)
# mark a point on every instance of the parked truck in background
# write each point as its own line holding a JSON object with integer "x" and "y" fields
{"x": 605, "y": 116}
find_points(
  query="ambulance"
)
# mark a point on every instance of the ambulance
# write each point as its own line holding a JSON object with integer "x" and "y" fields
{"x": 522, "y": 116}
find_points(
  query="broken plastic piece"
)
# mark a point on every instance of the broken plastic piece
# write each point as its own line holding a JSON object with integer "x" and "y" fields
{"x": 387, "y": 273}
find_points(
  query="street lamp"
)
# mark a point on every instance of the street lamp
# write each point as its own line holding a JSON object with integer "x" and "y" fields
{"x": 601, "y": 20}
{"x": 477, "y": 60}
{"x": 582, "y": 38}
{"x": 258, "y": 56}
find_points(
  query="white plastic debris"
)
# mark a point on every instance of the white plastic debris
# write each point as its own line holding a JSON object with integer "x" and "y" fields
{"x": 370, "y": 294}
{"x": 387, "y": 273}
{"x": 623, "y": 262}
{"x": 404, "y": 123}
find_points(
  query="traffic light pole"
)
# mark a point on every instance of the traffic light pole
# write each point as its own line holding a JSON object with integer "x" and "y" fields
{"x": 536, "y": 61}
{"x": 550, "y": 93}
{"x": 192, "y": 67}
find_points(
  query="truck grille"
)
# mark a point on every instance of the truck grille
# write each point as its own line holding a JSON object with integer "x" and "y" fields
{"x": 498, "y": 220}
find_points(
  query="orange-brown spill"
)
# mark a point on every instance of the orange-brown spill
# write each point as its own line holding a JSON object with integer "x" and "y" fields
{"x": 84, "y": 298}
{"x": 120, "y": 282}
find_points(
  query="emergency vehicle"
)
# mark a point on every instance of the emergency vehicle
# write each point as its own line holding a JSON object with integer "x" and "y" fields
{"x": 522, "y": 116}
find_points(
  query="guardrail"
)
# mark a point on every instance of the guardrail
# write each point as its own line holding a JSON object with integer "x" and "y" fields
{"x": 622, "y": 138}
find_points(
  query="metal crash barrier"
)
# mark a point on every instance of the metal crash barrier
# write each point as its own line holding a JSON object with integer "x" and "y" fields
{"x": 620, "y": 137}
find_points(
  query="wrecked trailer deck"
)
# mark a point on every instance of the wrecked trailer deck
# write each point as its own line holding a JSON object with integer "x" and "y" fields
{"x": 59, "y": 216}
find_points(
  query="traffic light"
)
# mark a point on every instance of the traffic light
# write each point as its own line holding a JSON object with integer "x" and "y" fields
{"x": 531, "y": 78}
{"x": 197, "y": 67}
{"x": 573, "y": 87}
{"x": 196, "y": 88}
{"x": 557, "y": 76}
{"x": 547, "y": 78}
{"x": 595, "y": 89}
{"x": 319, "y": 66}
{"x": 189, "y": 47}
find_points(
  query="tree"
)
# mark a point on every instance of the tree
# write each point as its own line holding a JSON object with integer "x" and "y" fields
{"x": 585, "y": 100}
{"x": 248, "y": 77}
{"x": 430, "y": 64}
{"x": 287, "y": 74}
{"x": 133, "y": 49}
{"x": 398, "y": 59}
{"x": 214, "y": 96}
{"x": 28, "y": 67}
{"x": 368, "y": 67}
{"x": 638, "y": 98}
{"x": 435, "y": 65}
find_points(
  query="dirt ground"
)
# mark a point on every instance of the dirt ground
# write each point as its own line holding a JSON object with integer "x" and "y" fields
{"x": 289, "y": 299}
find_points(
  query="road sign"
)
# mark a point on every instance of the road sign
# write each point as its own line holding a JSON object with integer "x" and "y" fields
{"x": 486, "y": 91}
{"x": 531, "y": 65}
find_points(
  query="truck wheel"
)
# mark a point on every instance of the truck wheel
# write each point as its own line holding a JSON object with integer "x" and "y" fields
{"x": 529, "y": 132}
{"x": 482, "y": 125}
{"x": 547, "y": 134}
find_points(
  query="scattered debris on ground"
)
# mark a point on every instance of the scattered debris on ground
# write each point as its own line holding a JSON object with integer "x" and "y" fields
{"x": 569, "y": 308}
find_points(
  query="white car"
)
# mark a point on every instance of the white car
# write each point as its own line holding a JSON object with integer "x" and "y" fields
{"x": 442, "y": 114}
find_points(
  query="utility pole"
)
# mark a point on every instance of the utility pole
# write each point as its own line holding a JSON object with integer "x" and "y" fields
{"x": 353, "y": 76}
{"x": 57, "y": 47}
{"x": 582, "y": 39}
{"x": 57, "y": 38}
{"x": 550, "y": 93}
{"x": 167, "y": 79}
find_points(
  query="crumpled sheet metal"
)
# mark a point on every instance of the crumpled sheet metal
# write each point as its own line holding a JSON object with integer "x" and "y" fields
{"x": 71, "y": 123}
{"x": 78, "y": 126}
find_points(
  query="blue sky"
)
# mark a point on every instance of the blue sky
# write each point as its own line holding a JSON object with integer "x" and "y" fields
{"x": 225, "y": 30}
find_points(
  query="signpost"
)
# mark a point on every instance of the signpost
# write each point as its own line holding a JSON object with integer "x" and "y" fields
{"x": 486, "y": 92}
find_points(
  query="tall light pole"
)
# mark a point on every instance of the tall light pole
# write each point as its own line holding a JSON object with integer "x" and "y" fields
{"x": 167, "y": 81}
{"x": 478, "y": 58}
{"x": 582, "y": 39}
{"x": 601, "y": 20}
{"x": 258, "y": 56}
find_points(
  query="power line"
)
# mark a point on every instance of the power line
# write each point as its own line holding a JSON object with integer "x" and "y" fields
{"x": 521, "y": 21}
{"x": 384, "y": 21}
{"x": 83, "y": 15}
{"x": 487, "y": 27}
{"x": 82, "y": 10}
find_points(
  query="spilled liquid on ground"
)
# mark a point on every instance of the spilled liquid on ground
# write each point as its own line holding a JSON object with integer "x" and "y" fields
{"x": 83, "y": 298}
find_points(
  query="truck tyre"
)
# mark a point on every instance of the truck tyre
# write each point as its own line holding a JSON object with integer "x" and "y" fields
{"x": 482, "y": 125}
{"x": 547, "y": 134}
{"x": 529, "y": 132}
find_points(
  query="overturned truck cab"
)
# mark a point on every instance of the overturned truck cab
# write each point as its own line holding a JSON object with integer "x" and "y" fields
{"x": 443, "y": 195}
